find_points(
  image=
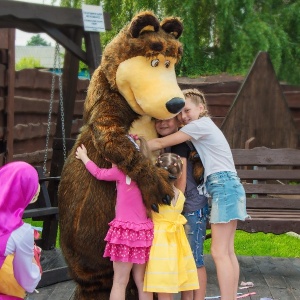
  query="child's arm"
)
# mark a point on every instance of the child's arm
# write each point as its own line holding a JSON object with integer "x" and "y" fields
{"x": 81, "y": 153}
{"x": 167, "y": 141}
{"x": 180, "y": 183}
{"x": 26, "y": 271}
{"x": 112, "y": 174}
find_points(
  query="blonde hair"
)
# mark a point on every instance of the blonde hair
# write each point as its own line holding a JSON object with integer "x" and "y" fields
{"x": 36, "y": 195}
{"x": 170, "y": 162}
{"x": 197, "y": 98}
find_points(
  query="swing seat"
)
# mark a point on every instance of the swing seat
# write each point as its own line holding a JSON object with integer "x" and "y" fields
{"x": 40, "y": 212}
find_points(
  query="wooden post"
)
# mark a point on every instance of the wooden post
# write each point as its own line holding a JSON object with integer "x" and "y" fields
{"x": 7, "y": 64}
{"x": 69, "y": 86}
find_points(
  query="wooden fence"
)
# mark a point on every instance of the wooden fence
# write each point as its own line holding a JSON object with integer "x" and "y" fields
{"x": 31, "y": 109}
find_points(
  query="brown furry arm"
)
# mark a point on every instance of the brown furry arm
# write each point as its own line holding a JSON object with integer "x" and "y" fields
{"x": 110, "y": 122}
{"x": 152, "y": 181}
{"x": 115, "y": 146}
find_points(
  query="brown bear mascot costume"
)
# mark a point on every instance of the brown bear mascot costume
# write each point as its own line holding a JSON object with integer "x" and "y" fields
{"x": 135, "y": 82}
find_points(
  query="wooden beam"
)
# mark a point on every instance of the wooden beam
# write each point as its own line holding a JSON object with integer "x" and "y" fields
{"x": 93, "y": 50}
{"x": 10, "y": 96}
{"x": 22, "y": 13}
{"x": 64, "y": 40}
{"x": 69, "y": 82}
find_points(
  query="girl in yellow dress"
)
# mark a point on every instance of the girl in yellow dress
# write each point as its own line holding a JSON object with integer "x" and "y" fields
{"x": 171, "y": 267}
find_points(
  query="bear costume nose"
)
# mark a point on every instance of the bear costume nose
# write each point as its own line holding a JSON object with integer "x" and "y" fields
{"x": 175, "y": 105}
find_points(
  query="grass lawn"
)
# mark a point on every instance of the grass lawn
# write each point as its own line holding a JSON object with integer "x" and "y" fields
{"x": 261, "y": 244}
{"x": 248, "y": 244}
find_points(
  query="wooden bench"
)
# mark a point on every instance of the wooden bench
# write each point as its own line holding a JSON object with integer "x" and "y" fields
{"x": 269, "y": 177}
{"x": 42, "y": 209}
{"x": 52, "y": 260}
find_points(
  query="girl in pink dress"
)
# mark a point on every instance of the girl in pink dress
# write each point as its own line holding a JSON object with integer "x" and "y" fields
{"x": 19, "y": 271}
{"x": 130, "y": 235}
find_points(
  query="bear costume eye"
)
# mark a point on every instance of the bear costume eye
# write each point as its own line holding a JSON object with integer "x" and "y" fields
{"x": 167, "y": 63}
{"x": 154, "y": 62}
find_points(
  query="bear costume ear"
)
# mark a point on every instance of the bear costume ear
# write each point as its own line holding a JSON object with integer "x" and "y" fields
{"x": 145, "y": 21}
{"x": 172, "y": 26}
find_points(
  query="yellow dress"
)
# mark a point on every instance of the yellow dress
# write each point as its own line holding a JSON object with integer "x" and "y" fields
{"x": 171, "y": 267}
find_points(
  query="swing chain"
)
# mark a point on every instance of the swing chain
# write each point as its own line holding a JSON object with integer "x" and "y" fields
{"x": 61, "y": 104}
{"x": 55, "y": 67}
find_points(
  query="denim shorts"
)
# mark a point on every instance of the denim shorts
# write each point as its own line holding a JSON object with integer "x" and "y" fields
{"x": 228, "y": 198}
{"x": 195, "y": 229}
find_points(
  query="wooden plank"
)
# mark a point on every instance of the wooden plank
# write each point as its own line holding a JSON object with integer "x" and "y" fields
{"x": 274, "y": 203}
{"x": 64, "y": 291}
{"x": 280, "y": 174}
{"x": 54, "y": 276}
{"x": 260, "y": 270}
{"x": 274, "y": 278}
{"x": 54, "y": 267}
{"x": 2, "y": 75}
{"x": 4, "y": 44}
{"x": 249, "y": 269}
{"x": 3, "y": 52}
{"x": 40, "y": 212}
{"x": 259, "y": 111}
{"x": 266, "y": 156}
{"x": 59, "y": 16}
{"x": 93, "y": 50}
{"x": 220, "y": 99}
{"x": 64, "y": 40}
{"x": 272, "y": 189}
{"x": 10, "y": 96}
{"x": 266, "y": 226}
{"x": 293, "y": 99}
{"x": 211, "y": 87}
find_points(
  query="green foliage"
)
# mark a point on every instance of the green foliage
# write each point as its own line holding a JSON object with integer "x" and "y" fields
{"x": 248, "y": 244}
{"x": 261, "y": 244}
{"x": 28, "y": 63}
{"x": 37, "y": 40}
{"x": 221, "y": 36}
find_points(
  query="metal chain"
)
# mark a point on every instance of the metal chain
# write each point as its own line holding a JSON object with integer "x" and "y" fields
{"x": 50, "y": 113}
{"x": 61, "y": 104}
{"x": 55, "y": 67}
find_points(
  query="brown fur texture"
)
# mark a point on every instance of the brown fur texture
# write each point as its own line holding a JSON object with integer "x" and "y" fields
{"x": 87, "y": 205}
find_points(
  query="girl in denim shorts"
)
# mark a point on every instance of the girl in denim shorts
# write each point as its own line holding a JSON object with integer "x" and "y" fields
{"x": 221, "y": 181}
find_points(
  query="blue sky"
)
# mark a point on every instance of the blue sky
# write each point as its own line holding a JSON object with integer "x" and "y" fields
{"x": 22, "y": 37}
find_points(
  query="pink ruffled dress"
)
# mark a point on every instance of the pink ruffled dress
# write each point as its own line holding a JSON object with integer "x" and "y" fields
{"x": 130, "y": 235}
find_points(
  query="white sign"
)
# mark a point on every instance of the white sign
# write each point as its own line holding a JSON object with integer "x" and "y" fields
{"x": 93, "y": 19}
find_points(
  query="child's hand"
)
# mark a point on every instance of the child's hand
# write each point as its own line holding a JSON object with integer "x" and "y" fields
{"x": 81, "y": 153}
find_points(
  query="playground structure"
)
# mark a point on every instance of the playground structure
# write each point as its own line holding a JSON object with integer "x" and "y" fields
{"x": 65, "y": 26}
{"x": 256, "y": 111}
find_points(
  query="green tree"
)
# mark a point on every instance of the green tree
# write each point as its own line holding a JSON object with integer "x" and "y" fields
{"x": 37, "y": 40}
{"x": 221, "y": 35}
{"x": 28, "y": 63}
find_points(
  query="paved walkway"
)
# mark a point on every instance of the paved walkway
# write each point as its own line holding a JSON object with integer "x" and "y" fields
{"x": 274, "y": 278}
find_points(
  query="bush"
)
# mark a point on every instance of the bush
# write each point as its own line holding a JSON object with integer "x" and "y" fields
{"x": 28, "y": 63}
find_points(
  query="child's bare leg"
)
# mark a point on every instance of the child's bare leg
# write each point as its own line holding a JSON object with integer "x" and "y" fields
{"x": 187, "y": 295}
{"x": 200, "y": 293}
{"x": 138, "y": 272}
{"x": 235, "y": 264}
{"x": 202, "y": 276}
{"x": 223, "y": 254}
{"x": 165, "y": 296}
{"x": 120, "y": 281}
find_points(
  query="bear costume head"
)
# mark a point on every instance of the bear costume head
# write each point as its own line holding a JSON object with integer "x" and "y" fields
{"x": 134, "y": 83}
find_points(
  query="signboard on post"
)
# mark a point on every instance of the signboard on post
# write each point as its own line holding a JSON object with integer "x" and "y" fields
{"x": 93, "y": 19}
